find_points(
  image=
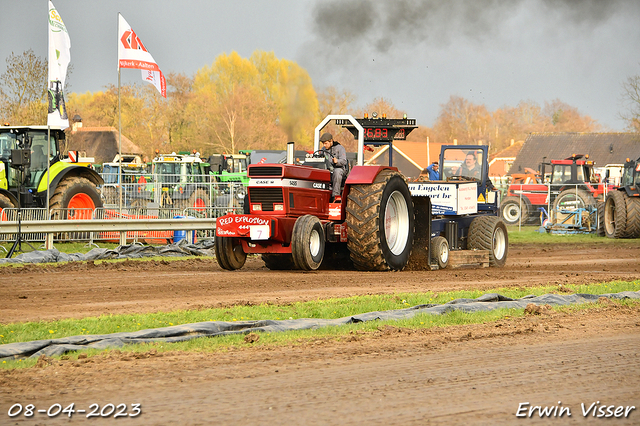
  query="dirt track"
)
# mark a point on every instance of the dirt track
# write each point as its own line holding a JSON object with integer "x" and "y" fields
{"x": 472, "y": 374}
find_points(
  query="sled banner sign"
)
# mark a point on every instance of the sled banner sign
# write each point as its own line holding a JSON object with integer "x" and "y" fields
{"x": 133, "y": 54}
{"x": 59, "y": 58}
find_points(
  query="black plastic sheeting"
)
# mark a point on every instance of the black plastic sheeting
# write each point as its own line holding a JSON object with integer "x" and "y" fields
{"x": 181, "y": 333}
{"x": 202, "y": 248}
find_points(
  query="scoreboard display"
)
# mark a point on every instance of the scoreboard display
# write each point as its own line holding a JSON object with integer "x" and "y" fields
{"x": 381, "y": 129}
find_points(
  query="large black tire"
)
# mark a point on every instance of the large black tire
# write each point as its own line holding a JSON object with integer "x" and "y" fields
{"x": 278, "y": 262}
{"x": 246, "y": 208}
{"x": 380, "y": 223}
{"x": 600, "y": 228}
{"x": 633, "y": 217}
{"x": 615, "y": 215}
{"x": 514, "y": 210}
{"x": 5, "y": 203}
{"x": 490, "y": 233}
{"x": 571, "y": 199}
{"x": 307, "y": 243}
{"x": 110, "y": 195}
{"x": 199, "y": 199}
{"x": 65, "y": 198}
{"x": 229, "y": 253}
{"x": 440, "y": 251}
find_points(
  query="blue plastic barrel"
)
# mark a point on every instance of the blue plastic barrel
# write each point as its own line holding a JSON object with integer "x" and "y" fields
{"x": 182, "y": 234}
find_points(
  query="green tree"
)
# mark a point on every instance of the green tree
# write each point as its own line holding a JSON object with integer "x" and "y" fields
{"x": 241, "y": 103}
{"x": 224, "y": 96}
{"x": 177, "y": 120}
{"x": 290, "y": 88}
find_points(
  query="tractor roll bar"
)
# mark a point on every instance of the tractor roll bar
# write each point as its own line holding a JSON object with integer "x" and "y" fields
{"x": 316, "y": 139}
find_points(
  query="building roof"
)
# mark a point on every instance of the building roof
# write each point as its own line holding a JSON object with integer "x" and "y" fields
{"x": 101, "y": 143}
{"x": 509, "y": 152}
{"x": 602, "y": 148}
{"x": 401, "y": 161}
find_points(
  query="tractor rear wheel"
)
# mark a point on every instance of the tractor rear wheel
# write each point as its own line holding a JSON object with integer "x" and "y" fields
{"x": 570, "y": 199}
{"x": 74, "y": 198}
{"x": 600, "y": 228}
{"x": 380, "y": 223}
{"x": 633, "y": 217}
{"x": 307, "y": 243}
{"x": 110, "y": 195}
{"x": 514, "y": 210}
{"x": 490, "y": 233}
{"x": 278, "y": 262}
{"x": 229, "y": 253}
{"x": 197, "y": 202}
{"x": 615, "y": 215}
{"x": 440, "y": 251}
{"x": 5, "y": 203}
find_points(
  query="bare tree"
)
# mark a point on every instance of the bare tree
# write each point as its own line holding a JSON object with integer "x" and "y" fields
{"x": 631, "y": 102}
{"x": 23, "y": 89}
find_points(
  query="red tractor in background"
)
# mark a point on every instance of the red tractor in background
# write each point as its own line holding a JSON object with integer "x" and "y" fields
{"x": 572, "y": 182}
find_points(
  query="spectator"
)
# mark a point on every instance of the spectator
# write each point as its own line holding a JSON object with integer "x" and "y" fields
{"x": 433, "y": 172}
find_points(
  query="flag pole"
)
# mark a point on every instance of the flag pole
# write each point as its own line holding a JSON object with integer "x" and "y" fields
{"x": 48, "y": 167}
{"x": 119, "y": 137}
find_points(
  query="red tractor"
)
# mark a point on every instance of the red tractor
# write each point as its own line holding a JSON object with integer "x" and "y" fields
{"x": 290, "y": 220}
{"x": 291, "y": 217}
{"x": 572, "y": 182}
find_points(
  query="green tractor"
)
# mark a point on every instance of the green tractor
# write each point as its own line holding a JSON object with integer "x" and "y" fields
{"x": 72, "y": 188}
{"x": 230, "y": 167}
{"x": 622, "y": 205}
{"x": 181, "y": 181}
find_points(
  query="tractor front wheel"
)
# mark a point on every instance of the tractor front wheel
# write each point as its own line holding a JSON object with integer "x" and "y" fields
{"x": 307, "y": 243}
{"x": 229, "y": 253}
{"x": 5, "y": 203}
{"x": 380, "y": 223}
{"x": 74, "y": 198}
{"x": 490, "y": 233}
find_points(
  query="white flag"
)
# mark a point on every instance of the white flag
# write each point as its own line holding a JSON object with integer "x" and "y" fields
{"x": 133, "y": 54}
{"x": 59, "y": 58}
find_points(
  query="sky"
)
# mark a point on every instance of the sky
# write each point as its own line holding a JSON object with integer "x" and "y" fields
{"x": 416, "y": 54}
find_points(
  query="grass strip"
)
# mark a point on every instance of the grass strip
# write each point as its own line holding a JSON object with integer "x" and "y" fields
{"x": 301, "y": 337}
{"x": 326, "y": 308}
{"x": 530, "y": 235}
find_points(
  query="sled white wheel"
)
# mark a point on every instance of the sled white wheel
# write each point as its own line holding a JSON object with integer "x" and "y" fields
{"x": 440, "y": 251}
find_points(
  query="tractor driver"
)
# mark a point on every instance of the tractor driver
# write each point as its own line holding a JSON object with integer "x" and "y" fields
{"x": 338, "y": 157}
{"x": 470, "y": 168}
